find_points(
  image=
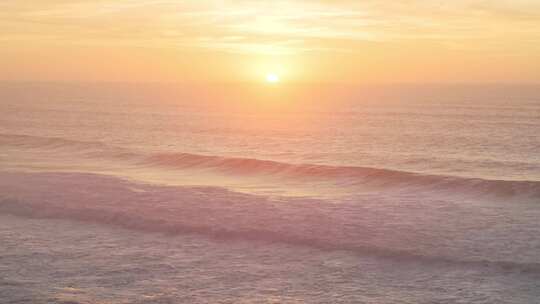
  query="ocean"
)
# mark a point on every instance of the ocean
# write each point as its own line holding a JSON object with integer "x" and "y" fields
{"x": 299, "y": 193}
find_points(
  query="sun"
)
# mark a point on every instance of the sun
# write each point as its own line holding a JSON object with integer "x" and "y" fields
{"x": 272, "y": 78}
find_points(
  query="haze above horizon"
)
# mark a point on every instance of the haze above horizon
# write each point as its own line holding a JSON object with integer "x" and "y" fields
{"x": 297, "y": 41}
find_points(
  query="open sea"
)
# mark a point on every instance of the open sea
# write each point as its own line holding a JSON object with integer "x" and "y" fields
{"x": 164, "y": 193}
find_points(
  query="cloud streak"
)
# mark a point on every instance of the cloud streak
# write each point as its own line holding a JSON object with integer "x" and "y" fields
{"x": 277, "y": 27}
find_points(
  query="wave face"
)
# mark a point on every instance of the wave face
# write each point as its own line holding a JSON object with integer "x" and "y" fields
{"x": 361, "y": 177}
{"x": 432, "y": 231}
{"x": 345, "y": 179}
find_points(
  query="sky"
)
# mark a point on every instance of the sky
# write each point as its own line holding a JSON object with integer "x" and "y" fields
{"x": 342, "y": 41}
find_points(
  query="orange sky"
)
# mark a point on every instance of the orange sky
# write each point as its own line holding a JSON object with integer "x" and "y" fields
{"x": 302, "y": 41}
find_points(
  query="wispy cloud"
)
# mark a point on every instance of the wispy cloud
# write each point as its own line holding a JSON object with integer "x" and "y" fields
{"x": 276, "y": 27}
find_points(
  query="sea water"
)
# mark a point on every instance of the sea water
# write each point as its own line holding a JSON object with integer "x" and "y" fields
{"x": 170, "y": 193}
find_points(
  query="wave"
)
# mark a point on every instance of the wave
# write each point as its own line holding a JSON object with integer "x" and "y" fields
{"x": 350, "y": 175}
{"x": 340, "y": 176}
{"x": 225, "y": 215}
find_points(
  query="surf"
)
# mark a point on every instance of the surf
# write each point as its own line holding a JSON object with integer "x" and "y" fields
{"x": 225, "y": 215}
{"x": 347, "y": 179}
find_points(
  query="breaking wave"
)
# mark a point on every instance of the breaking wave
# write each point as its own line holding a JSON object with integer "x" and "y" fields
{"x": 225, "y": 215}
{"x": 341, "y": 176}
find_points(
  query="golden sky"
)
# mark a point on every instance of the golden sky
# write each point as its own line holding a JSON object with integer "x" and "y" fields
{"x": 302, "y": 41}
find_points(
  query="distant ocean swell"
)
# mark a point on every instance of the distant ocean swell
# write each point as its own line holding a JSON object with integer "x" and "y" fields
{"x": 222, "y": 215}
{"x": 345, "y": 176}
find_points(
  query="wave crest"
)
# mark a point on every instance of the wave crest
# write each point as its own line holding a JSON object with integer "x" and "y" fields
{"x": 347, "y": 177}
{"x": 428, "y": 231}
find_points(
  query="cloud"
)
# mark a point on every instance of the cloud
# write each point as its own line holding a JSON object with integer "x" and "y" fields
{"x": 276, "y": 27}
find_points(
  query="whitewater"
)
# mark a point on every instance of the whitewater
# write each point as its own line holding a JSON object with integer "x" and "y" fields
{"x": 124, "y": 193}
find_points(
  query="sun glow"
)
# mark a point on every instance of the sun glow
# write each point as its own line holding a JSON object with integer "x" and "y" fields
{"x": 272, "y": 78}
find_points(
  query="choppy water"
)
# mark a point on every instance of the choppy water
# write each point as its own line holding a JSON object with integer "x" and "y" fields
{"x": 305, "y": 195}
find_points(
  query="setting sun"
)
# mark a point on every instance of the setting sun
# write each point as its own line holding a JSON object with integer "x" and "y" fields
{"x": 272, "y": 78}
